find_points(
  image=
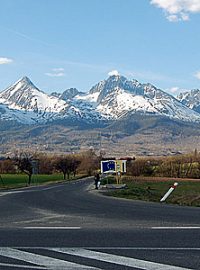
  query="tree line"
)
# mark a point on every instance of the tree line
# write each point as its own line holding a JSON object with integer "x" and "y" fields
{"x": 40, "y": 163}
{"x": 88, "y": 162}
{"x": 179, "y": 166}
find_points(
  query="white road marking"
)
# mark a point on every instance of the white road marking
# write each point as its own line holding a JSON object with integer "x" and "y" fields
{"x": 21, "y": 266}
{"x": 158, "y": 248}
{"x": 119, "y": 248}
{"x": 52, "y": 228}
{"x": 144, "y": 248}
{"x": 176, "y": 228}
{"x": 120, "y": 260}
{"x": 57, "y": 186}
{"x": 49, "y": 262}
{"x": 16, "y": 191}
{"x": 10, "y": 192}
{"x": 30, "y": 189}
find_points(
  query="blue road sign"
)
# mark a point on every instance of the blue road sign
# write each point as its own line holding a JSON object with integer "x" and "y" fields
{"x": 108, "y": 166}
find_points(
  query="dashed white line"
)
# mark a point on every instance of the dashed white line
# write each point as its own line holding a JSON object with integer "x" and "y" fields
{"x": 57, "y": 186}
{"x": 52, "y": 228}
{"x": 176, "y": 228}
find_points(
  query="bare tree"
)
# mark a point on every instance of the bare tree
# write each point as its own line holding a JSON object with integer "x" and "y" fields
{"x": 46, "y": 163}
{"x": 64, "y": 165}
{"x": 24, "y": 163}
{"x": 90, "y": 162}
{"x": 7, "y": 166}
{"x": 75, "y": 164}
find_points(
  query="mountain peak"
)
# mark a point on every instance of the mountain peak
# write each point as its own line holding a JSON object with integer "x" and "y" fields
{"x": 21, "y": 94}
{"x": 116, "y": 81}
{"x": 116, "y": 77}
{"x": 67, "y": 94}
{"x": 24, "y": 95}
{"x": 25, "y": 80}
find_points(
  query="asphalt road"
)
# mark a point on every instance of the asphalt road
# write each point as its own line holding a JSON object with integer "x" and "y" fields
{"x": 72, "y": 226}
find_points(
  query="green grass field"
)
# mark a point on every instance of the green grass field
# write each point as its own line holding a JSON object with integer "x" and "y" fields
{"x": 20, "y": 180}
{"x": 187, "y": 192}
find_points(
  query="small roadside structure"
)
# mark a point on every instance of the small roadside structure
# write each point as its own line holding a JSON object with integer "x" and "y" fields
{"x": 114, "y": 166}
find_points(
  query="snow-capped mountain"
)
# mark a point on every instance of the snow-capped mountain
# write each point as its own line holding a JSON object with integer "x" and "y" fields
{"x": 26, "y": 98}
{"x": 191, "y": 99}
{"x": 117, "y": 97}
{"x": 24, "y": 95}
{"x": 111, "y": 99}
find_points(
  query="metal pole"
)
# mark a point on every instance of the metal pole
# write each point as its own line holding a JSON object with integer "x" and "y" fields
{"x": 169, "y": 192}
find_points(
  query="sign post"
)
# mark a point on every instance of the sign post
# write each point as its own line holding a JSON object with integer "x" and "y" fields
{"x": 114, "y": 166}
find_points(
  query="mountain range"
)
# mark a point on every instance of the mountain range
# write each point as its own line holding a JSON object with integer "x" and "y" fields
{"x": 118, "y": 105}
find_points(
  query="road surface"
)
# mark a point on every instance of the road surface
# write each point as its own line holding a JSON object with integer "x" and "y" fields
{"x": 72, "y": 226}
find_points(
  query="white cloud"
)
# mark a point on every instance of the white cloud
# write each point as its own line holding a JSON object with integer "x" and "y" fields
{"x": 197, "y": 75}
{"x": 173, "y": 18}
{"x": 4, "y": 60}
{"x": 113, "y": 73}
{"x": 178, "y": 18}
{"x": 176, "y": 90}
{"x": 173, "y": 90}
{"x": 185, "y": 17}
{"x": 178, "y": 10}
{"x": 59, "y": 74}
{"x": 56, "y": 72}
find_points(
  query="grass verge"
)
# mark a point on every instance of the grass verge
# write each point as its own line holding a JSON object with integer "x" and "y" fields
{"x": 187, "y": 192}
{"x": 8, "y": 181}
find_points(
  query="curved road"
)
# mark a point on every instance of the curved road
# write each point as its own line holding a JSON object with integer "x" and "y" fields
{"x": 67, "y": 223}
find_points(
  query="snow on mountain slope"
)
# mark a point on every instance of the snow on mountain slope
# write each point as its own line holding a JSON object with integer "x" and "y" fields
{"x": 191, "y": 99}
{"x": 16, "y": 115}
{"x": 118, "y": 97}
{"x": 116, "y": 81}
{"x": 110, "y": 99}
{"x": 84, "y": 107}
{"x": 37, "y": 107}
{"x": 23, "y": 95}
{"x": 91, "y": 98}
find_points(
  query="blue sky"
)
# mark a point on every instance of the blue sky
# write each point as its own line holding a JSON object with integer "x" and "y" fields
{"x": 75, "y": 43}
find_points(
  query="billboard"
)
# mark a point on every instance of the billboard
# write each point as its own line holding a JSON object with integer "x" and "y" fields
{"x": 113, "y": 166}
{"x": 107, "y": 166}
